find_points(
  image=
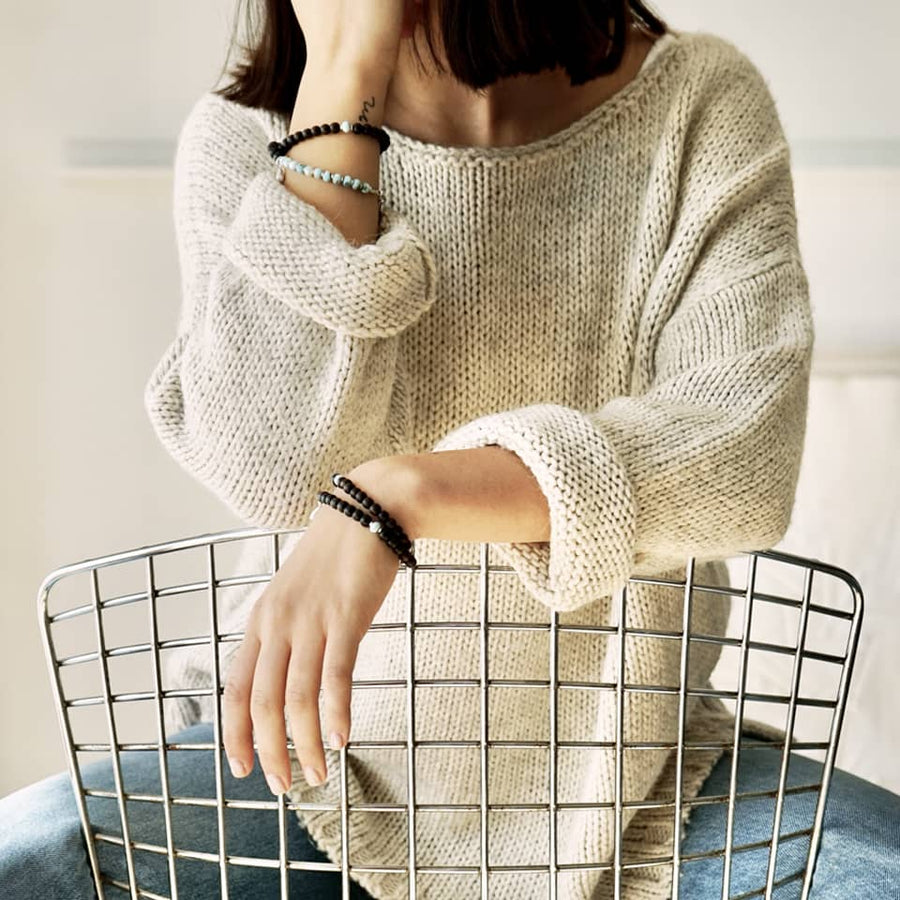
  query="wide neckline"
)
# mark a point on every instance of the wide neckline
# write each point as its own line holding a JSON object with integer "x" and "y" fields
{"x": 626, "y": 95}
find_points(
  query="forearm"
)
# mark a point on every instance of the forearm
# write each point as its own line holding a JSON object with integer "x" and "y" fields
{"x": 481, "y": 495}
{"x": 330, "y": 95}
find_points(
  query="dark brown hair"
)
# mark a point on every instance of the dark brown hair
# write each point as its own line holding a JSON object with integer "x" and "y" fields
{"x": 484, "y": 40}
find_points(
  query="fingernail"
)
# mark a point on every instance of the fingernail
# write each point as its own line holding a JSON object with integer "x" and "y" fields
{"x": 276, "y": 784}
{"x": 336, "y": 741}
{"x": 238, "y": 769}
{"x": 312, "y": 776}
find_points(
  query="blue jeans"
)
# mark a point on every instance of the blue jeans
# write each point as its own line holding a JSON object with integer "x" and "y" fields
{"x": 859, "y": 853}
{"x": 42, "y": 852}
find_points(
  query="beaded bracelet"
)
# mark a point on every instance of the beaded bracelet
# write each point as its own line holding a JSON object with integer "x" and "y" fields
{"x": 360, "y": 496}
{"x": 280, "y": 148}
{"x": 334, "y": 177}
{"x": 354, "y": 512}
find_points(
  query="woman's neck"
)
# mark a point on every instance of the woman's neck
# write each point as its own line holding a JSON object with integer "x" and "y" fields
{"x": 437, "y": 109}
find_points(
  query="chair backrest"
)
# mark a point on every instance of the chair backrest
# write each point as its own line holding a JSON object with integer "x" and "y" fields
{"x": 108, "y": 624}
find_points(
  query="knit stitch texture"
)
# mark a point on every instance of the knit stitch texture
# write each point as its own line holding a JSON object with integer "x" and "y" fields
{"x": 623, "y": 305}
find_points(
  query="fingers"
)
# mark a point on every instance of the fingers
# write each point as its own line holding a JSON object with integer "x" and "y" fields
{"x": 337, "y": 675}
{"x": 267, "y": 713}
{"x": 302, "y": 701}
{"x": 237, "y": 729}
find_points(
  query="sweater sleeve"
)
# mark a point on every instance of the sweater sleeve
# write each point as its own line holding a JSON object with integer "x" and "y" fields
{"x": 702, "y": 458}
{"x": 284, "y": 362}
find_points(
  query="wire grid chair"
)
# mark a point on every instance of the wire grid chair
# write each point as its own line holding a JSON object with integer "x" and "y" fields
{"x": 88, "y": 652}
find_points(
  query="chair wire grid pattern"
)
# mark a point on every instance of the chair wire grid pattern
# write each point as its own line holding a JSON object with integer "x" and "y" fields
{"x": 102, "y": 718}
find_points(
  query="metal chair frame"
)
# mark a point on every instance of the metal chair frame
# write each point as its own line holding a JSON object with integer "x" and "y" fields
{"x": 53, "y": 622}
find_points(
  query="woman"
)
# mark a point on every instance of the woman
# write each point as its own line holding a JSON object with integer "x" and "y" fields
{"x": 574, "y": 324}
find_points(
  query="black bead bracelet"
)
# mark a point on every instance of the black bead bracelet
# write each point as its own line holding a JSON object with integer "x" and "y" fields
{"x": 360, "y": 496}
{"x": 386, "y": 534}
{"x": 280, "y": 148}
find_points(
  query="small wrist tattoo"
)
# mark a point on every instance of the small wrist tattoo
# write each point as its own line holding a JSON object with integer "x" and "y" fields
{"x": 367, "y": 104}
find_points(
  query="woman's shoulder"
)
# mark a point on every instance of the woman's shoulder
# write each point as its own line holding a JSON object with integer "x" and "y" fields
{"x": 716, "y": 60}
{"x": 722, "y": 94}
{"x": 214, "y": 117}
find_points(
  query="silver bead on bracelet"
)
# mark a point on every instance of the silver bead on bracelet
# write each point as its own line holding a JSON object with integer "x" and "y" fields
{"x": 349, "y": 181}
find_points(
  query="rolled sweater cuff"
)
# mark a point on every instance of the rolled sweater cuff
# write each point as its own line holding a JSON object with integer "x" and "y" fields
{"x": 294, "y": 252}
{"x": 592, "y": 508}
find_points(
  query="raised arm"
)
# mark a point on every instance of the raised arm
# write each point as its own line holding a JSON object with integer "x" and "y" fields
{"x": 283, "y": 367}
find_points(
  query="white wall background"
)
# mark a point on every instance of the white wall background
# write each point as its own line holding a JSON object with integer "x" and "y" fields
{"x": 93, "y": 94}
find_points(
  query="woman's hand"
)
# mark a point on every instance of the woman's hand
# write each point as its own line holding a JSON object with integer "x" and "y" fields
{"x": 358, "y": 32}
{"x": 303, "y": 633}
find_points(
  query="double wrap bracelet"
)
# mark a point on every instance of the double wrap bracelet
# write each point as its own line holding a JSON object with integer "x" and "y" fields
{"x": 278, "y": 151}
{"x": 380, "y": 522}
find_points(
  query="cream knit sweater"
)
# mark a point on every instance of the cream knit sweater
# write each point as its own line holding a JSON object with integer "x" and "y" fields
{"x": 622, "y": 304}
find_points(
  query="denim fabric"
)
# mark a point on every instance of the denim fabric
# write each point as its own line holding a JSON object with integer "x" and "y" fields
{"x": 859, "y": 855}
{"x": 42, "y": 853}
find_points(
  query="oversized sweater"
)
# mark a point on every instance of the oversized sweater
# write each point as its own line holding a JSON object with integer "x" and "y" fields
{"x": 623, "y": 305}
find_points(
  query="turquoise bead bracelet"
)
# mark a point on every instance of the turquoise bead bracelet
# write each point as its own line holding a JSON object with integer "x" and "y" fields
{"x": 349, "y": 181}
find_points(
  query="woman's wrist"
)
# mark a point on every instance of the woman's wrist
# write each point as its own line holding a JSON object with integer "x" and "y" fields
{"x": 364, "y": 80}
{"x": 396, "y": 486}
